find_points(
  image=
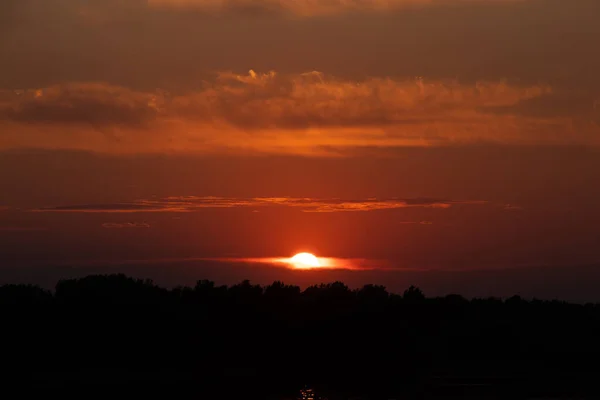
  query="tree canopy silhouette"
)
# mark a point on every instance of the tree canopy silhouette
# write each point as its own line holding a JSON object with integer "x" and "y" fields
{"x": 326, "y": 331}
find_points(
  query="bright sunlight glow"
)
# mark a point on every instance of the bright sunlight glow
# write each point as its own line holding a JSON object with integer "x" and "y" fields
{"x": 305, "y": 260}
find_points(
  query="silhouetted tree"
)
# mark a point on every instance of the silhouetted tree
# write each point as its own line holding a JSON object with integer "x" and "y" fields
{"x": 19, "y": 295}
{"x": 326, "y": 331}
{"x": 280, "y": 292}
{"x": 413, "y": 295}
{"x": 245, "y": 293}
{"x": 372, "y": 295}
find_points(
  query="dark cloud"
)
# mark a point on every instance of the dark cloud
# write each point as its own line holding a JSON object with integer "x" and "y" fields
{"x": 305, "y": 8}
{"x": 125, "y": 225}
{"x": 109, "y": 208}
{"x": 93, "y": 104}
{"x": 194, "y": 203}
{"x": 581, "y": 105}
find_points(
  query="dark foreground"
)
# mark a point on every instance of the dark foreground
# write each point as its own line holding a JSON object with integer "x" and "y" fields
{"x": 112, "y": 334}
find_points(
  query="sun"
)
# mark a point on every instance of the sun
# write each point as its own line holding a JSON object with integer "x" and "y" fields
{"x": 305, "y": 260}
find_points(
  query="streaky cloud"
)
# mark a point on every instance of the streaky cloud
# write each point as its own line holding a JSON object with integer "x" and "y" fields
{"x": 178, "y": 204}
{"x": 305, "y": 8}
{"x": 125, "y": 225}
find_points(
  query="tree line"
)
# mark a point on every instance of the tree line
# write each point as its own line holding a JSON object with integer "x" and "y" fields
{"x": 325, "y": 332}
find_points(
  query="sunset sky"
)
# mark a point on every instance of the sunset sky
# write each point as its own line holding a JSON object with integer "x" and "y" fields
{"x": 455, "y": 142}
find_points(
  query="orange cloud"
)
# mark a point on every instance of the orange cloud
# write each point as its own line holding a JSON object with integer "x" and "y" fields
{"x": 194, "y": 203}
{"x": 309, "y": 113}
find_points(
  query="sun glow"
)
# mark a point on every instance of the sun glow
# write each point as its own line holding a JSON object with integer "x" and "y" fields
{"x": 305, "y": 260}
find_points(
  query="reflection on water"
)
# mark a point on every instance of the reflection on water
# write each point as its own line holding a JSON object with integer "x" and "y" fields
{"x": 309, "y": 394}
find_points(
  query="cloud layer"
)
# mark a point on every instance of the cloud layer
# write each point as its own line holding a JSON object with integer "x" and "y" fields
{"x": 125, "y": 225}
{"x": 304, "y": 8}
{"x": 83, "y": 103}
{"x": 178, "y": 204}
{"x": 267, "y": 101}
{"x": 307, "y": 113}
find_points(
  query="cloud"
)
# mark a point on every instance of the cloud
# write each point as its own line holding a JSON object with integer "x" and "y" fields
{"x": 82, "y": 103}
{"x": 268, "y": 101}
{"x": 304, "y": 8}
{"x": 315, "y": 100}
{"x": 125, "y": 225}
{"x": 308, "y": 113}
{"x": 109, "y": 208}
{"x": 177, "y": 204}
{"x": 584, "y": 105}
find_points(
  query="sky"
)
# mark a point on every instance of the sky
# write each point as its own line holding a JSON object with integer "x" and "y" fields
{"x": 442, "y": 138}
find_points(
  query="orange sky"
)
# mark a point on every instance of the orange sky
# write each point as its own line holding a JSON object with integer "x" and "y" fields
{"x": 297, "y": 77}
{"x": 430, "y": 133}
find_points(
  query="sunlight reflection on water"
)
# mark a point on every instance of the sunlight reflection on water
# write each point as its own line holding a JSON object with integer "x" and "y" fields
{"x": 309, "y": 394}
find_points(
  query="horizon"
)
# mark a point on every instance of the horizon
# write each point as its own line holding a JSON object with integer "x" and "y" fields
{"x": 105, "y": 280}
{"x": 560, "y": 283}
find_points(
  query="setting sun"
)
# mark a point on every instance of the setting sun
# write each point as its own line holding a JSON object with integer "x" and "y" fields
{"x": 305, "y": 260}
